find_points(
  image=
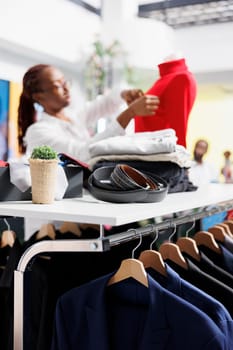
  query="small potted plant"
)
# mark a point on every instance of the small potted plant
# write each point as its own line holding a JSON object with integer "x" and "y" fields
{"x": 43, "y": 168}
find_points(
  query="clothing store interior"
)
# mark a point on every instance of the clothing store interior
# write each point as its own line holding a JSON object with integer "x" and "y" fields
{"x": 116, "y": 175}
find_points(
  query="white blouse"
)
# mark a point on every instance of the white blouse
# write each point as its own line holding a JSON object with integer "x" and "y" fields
{"x": 73, "y": 137}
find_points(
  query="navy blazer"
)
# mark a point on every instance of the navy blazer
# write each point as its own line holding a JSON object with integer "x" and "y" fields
{"x": 228, "y": 243}
{"x": 129, "y": 316}
{"x": 207, "y": 283}
{"x": 224, "y": 260}
{"x": 209, "y": 267}
{"x": 203, "y": 301}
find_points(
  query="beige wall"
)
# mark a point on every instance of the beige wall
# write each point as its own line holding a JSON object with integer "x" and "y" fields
{"x": 212, "y": 119}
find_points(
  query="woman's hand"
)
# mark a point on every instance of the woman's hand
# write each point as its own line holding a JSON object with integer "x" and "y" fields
{"x": 130, "y": 96}
{"x": 145, "y": 105}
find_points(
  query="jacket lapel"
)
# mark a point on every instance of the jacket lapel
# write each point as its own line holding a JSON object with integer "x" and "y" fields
{"x": 156, "y": 332}
{"x": 96, "y": 317}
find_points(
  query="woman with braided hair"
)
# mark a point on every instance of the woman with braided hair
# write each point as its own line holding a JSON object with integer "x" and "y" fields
{"x": 46, "y": 86}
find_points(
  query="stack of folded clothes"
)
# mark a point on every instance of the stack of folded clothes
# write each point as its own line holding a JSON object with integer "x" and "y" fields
{"x": 154, "y": 153}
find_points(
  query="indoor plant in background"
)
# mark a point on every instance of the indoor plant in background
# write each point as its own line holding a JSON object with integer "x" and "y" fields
{"x": 43, "y": 168}
{"x": 101, "y": 67}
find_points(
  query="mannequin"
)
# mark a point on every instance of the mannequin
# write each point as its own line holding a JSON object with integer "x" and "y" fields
{"x": 176, "y": 89}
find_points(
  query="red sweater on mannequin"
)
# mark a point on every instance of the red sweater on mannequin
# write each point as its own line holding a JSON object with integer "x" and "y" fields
{"x": 176, "y": 89}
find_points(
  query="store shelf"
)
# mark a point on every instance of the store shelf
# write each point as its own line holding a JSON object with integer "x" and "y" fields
{"x": 90, "y": 210}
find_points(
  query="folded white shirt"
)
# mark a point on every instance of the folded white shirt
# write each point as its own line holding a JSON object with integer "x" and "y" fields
{"x": 180, "y": 157}
{"x": 162, "y": 141}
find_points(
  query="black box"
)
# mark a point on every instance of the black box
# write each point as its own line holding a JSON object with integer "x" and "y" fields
{"x": 9, "y": 192}
{"x": 74, "y": 176}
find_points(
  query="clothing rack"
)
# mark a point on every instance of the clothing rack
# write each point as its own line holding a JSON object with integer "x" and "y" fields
{"x": 91, "y": 245}
{"x": 205, "y": 201}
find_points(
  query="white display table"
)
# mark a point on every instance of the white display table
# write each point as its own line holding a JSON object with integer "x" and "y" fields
{"x": 90, "y": 210}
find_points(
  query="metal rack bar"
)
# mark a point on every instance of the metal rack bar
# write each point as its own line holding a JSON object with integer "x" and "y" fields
{"x": 88, "y": 245}
{"x": 144, "y": 231}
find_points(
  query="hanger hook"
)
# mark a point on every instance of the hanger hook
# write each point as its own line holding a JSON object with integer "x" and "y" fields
{"x": 7, "y": 224}
{"x": 190, "y": 229}
{"x": 155, "y": 239}
{"x": 173, "y": 232}
{"x": 140, "y": 241}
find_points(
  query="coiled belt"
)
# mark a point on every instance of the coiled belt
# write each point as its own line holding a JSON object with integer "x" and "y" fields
{"x": 125, "y": 184}
{"x": 125, "y": 177}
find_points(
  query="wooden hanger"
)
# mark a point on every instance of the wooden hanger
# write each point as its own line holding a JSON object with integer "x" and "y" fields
{"x": 89, "y": 226}
{"x": 229, "y": 223}
{"x": 70, "y": 227}
{"x": 130, "y": 268}
{"x": 8, "y": 236}
{"x": 226, "y": 228}
{"x": 218, "y": 232}
{"x": 46, "y": 230}
{"x": 189, "y": 246}
{"x": 207, "y": 239}
{"x": 172, "y": 252}
{"x": 152, "y": 258}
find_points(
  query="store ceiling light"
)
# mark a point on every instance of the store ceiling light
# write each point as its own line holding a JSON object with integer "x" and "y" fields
{"x": 180, "y": 13}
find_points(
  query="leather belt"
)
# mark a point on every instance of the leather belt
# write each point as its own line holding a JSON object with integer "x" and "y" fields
{"x": 125, "y": 177}
{"x": 124, "y": 184}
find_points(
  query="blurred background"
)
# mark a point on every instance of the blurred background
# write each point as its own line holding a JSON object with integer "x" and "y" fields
{"x": 116, "y": 43}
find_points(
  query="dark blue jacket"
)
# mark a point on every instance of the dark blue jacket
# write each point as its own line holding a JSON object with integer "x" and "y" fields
{"x": 224, "y": 260}
{"x": 228, "y": 243}
{"x": 129, "y": 316}
{"x": 203, "y": 301}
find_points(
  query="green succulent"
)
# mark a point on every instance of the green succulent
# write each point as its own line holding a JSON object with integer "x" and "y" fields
{"x": 43, "y": 152}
